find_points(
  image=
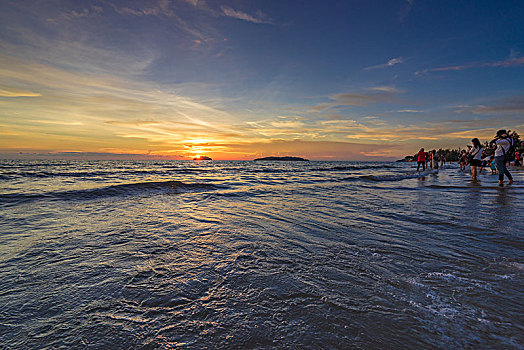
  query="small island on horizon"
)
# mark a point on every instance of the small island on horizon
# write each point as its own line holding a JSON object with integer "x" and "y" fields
{"x": 287, "y": 158}
{"x": 202, "y": 158}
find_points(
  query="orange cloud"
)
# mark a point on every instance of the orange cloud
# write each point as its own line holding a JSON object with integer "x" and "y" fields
{"x": 7, "y": 92}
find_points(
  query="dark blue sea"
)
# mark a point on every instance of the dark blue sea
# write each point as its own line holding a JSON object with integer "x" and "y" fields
{"x": 258, "y": 255}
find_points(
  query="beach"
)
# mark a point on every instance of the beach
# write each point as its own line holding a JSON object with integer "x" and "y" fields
{"x": 242, "y": 254}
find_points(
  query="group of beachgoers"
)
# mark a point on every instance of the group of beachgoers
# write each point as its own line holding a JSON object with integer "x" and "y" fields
{"x": 477, "y": 158}
{"x": 430, "y": 159}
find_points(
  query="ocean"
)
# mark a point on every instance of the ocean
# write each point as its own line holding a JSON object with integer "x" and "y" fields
{"x": 258, "y": 255}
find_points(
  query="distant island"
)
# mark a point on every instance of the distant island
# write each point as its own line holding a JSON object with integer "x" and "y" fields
{"x": 292, "y": 159}
{"x": 202, "y": 158}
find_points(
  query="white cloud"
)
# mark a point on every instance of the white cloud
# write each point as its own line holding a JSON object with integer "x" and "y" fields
{"x": 259, "y": 18}
{"x": 388, "y": 89}
{"x": 161, "y": 7}
{"x": 392, "y": 62}
{"x": 409, "y": 111}
{"x": 287, "y": 124}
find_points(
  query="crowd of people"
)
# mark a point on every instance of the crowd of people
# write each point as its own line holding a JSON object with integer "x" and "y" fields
{"x": 430, "y": 159}
{"x": 478, "y": 158}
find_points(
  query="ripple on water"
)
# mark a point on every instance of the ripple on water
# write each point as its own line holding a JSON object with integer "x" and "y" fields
{"x": 259, "y": 256}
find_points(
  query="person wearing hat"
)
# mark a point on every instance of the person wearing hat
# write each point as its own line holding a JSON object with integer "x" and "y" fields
{"x": 503, "y": 142}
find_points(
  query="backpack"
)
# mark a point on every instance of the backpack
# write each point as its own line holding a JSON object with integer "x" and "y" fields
{"x": 509, "y": 156}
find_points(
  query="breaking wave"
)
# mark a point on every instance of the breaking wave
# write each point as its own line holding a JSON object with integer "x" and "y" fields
{"x": 109, "y": 191}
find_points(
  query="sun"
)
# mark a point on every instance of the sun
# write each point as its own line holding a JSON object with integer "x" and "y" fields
{"x": 201, "y": 157}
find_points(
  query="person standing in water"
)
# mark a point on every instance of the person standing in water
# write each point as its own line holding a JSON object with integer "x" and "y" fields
{"x": 503, "y": 143}
{"x": 476, "y": 157}
{"x": 462, "y": 160}
{"x": 433, "y": 159}
{"x": 421, "y": 159}
{"x": 442, "y": 158}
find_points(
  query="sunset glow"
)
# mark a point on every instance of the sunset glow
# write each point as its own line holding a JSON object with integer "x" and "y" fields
{"x": 162, "y": 79}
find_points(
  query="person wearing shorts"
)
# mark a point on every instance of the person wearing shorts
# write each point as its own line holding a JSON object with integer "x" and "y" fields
{"x": 476, "y": 157}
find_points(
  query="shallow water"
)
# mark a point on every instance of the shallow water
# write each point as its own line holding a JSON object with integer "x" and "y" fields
{"x": 258, "y": 255}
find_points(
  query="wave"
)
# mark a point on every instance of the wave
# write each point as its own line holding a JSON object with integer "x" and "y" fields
{"x": 356, "y": 167}
{"x": 479, "y": 186}
{"x": 109, "y": 191}
{"x": 396, "y": 177}
{"x": 271, "y": 171}
{"x": 81, "y": 174}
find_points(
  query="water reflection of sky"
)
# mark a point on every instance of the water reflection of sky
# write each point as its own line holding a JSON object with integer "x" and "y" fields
{"x": 243, "y": 253}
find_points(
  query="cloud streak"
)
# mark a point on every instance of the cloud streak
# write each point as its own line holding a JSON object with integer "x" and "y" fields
{"x": 10, "y": 92}
{"x": 510, "y": 62}
{"x": 379, "y": 94}
{"x": 509, "y": 105}
{"x": 392, "y": 62}
{"x": 405, "y": 10}
{"x": 258, "y": 18}
{"x": 91, "y": 111}
{"x": 158, "y": 8}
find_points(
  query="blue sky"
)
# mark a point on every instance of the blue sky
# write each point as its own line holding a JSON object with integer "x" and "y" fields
{"x": 241, "y": 79}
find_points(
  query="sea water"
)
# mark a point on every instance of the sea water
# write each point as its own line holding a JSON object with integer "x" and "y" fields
{"x": 226, "y": 254}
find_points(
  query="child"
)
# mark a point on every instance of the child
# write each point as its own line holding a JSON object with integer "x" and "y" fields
{"x": 492, "y": 165}
{"x": 485, "y": 162}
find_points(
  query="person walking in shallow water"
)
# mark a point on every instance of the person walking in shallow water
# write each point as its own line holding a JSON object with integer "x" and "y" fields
{"x": 463, "y": 160}
{"x": 442, "y": 158}
{"x": 421, "y": 159}
{"x": 476, "y": 157}
{"x": 433, "y": 159}
{"x": 503, "y": 143}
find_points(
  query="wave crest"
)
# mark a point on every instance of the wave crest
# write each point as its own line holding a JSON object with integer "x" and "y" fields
{"x": 109, "y": 191}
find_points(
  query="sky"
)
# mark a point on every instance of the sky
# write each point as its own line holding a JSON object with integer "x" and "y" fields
{"x": 241, "y": 79}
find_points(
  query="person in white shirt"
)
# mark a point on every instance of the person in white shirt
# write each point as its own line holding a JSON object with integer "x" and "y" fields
{"x": 476, "y": 157}
{"x": 503, "y": 143}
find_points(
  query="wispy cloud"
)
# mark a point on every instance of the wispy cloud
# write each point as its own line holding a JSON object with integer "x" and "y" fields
{"x": 392, "y": 62}
{"x": 379, "y": 94}
{"x": 10, "y": 92}
{"x": 160, "y": 7}
{"x": 322, "y": 150}
{"x": 84, "y": 13}
{"x": 409, "y": 111}
{"x": 88, "y": 111}
{"x": 510, "y": 62}
{"x": 194, "y": 2}
{"x": 509, "y": 105}
{"x": 405, "y": 10}
{"x": 287, "y": 124}
{"x": 73, "y": 55}
{"x": 258, "y": 18}
{"x": 55, "y": 122}
{"x": 480, "y": 133}
{"x": 386, "y": 89}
